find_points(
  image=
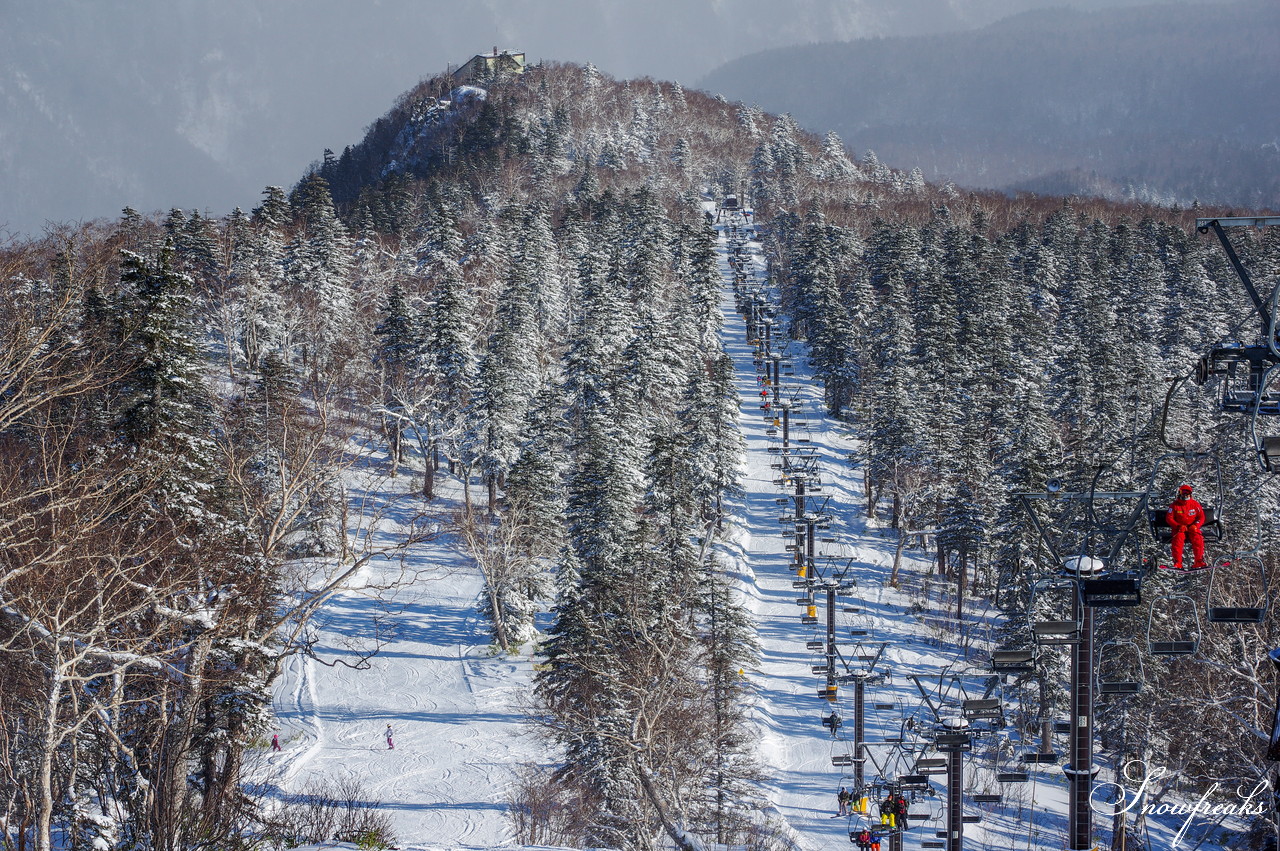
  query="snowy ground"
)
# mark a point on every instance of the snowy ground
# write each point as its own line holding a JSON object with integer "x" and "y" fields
{"x": 456, "y": 710}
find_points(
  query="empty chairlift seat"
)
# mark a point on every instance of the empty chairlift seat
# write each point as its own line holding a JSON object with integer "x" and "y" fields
{"x": 1115, "y": 590}
{"x": 1013, "y": 661}
{"x": 1056, "y": 632}
{"x": 1173, "y": 626}
{"x": 1012, "y": 777}
{"x": 931, "y": 765}
{"x": 1237, "y": 591}
{"x": 982, "y": 709}
{"x": 1119, "y": 668}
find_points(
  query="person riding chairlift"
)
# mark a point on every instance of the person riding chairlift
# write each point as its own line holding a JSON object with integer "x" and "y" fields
{"x": 1185, "y": 517}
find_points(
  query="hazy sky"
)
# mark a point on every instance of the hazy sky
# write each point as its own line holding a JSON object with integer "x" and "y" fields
{"x": 202, "y": 103}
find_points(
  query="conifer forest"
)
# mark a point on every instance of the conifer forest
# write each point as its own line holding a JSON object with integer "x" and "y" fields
{"x": 511, "y": 323}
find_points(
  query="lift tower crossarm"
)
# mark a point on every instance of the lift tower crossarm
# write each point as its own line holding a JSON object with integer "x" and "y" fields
{"x": 1216, "y": 225}
{"x": 1240, "y": 221}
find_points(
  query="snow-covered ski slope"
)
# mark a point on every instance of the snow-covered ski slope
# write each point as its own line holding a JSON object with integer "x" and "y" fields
{"x": 457, "y": 711}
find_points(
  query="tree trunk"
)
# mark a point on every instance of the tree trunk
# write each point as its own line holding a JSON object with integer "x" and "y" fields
{"x": 499, "y": 623}
{"x": 897, "y": 557}
{"x": 427, "y": 447}
{"x": 49, "y": 743}
{"x": 677, "y": 836}
{"x": 394, "y": 440}
{"x": 172, "y": 782}
{"x": 466, "y": 488}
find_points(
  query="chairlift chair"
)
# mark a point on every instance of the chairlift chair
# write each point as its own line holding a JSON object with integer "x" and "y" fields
{"x": 1163, "y": 532}
{"x": 1185, "y": 641}
{"x": 982, "y": 709}
{"x": 1006, "y": 773}
{"x": 1264, "y": 424}
{"x": 1056, "y": 632}
{"x": 1012, "y": 777}
{"x": 1229, "y": 598}
{"x": 1064, "y": 629}
{"x": 1114, "y": 590}
{"x": 1239, "y": 372}
{"x": 931, "y": 765}
{"x": 1111, "y": 655}
{"x": 1013, "y": 661}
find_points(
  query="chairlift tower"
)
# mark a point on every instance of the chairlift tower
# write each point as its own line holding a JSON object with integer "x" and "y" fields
{"x": 1085, "y": 536}
{"x": 954, "y": 731}
{"x": 955, "y": 742}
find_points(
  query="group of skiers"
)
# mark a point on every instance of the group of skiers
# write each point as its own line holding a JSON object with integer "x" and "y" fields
{"x": 893, "y": 816}
{"x": 893, "y": 811}
{"x": 867, "y": 840}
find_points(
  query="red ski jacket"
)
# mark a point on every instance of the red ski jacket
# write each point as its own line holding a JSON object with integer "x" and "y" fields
{"x": 1185, "y": 512}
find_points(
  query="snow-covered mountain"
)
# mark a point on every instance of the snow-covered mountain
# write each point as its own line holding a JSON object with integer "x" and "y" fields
{"x": 196, "y": 104}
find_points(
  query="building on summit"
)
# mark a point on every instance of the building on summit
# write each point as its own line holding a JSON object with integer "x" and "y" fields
{"x": 485, "y": 66}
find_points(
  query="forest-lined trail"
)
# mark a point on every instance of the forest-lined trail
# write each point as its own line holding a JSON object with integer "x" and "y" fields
{"x": 796, "y": 750}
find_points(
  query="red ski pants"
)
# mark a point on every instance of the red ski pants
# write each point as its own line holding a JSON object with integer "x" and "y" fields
{"x": 1180, "y": 534}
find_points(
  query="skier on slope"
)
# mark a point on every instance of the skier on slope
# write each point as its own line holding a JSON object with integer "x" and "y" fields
{"x": 391, "y": 745}
{"x": 1185, "y": 517}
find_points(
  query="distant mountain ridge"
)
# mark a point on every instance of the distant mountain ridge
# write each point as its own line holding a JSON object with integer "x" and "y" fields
{"x": 1171, "y": 103}
{"x": 157, "y": 104}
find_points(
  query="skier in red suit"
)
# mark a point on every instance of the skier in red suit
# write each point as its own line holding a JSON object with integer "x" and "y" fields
{"x": 1185, "y": 517}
